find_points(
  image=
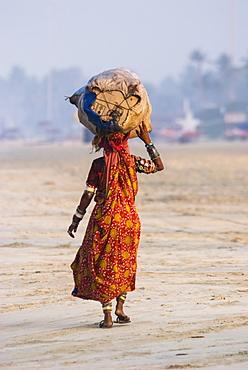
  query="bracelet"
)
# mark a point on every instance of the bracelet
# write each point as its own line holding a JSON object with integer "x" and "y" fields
{"x": 79, "y": 213}
{"x": 76, "y": 220}
{"x": 151, "y": 143}
{"x": 152, "y": 151}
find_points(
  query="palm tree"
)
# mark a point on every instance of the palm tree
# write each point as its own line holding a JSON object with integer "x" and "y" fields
{"x": 198, "y": 57}
{"x": 226, "y": 71}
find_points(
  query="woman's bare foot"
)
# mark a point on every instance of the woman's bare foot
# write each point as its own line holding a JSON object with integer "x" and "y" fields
{"x": 107, "y": 322}
{"x": 121, "y": 316}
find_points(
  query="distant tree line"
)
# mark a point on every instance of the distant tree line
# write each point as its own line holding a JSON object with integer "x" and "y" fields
{"x": 204, "y": 84}
{"x": 30, "y": 107}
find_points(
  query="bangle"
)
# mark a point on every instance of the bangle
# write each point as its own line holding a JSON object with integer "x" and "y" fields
{"x": 152, "y": 151}
{"x": 151, "y": 143}
{"x": 78, "y": 215}
{"x": 81, "y": 213}
{"x": 76, "y": 220}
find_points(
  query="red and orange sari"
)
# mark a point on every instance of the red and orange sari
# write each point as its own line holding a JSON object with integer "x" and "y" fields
{"x": 105, "y": 264}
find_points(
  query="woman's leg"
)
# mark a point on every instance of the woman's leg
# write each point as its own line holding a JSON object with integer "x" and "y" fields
{"x": 121, "y": 316}
{"x": 107, "y": 310}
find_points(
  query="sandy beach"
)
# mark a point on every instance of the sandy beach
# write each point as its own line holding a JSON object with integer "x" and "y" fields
{"x": 190, "y": 307}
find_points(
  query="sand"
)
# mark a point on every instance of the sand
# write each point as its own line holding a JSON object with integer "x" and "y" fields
{"x": 189, "y": 309}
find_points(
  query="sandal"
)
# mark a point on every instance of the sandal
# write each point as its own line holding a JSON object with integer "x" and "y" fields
{"x": 122, "y": 319}
{"x": 104, "y": 326}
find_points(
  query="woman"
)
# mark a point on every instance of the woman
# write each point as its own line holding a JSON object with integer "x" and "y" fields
{"x": 105, "y": 265}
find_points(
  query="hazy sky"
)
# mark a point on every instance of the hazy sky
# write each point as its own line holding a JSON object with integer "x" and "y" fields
{"x": 151, "y": 37}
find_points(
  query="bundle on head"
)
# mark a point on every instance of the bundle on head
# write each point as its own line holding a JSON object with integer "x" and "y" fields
{"x": 113, "y": 101}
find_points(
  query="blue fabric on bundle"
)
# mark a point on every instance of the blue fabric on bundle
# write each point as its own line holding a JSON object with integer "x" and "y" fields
{"x": 89, "y": 98}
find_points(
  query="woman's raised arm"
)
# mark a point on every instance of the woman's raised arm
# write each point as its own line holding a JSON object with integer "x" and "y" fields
{"x": 143, "y": 134}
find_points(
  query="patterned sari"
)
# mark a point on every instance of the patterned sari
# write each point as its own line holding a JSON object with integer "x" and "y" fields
{"x": 105, "y": 264}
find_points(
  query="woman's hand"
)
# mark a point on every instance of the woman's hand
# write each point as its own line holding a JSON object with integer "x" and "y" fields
{"x": 71, "y": 228}
{"x": 143, "y": 134}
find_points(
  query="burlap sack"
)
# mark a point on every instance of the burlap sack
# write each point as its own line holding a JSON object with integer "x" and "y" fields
{"x": 114, "y": 100}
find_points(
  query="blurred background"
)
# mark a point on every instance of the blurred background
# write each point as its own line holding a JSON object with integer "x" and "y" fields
{"x": 191, "y": 55}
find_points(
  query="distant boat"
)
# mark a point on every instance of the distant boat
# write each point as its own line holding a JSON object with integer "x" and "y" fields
{"x": 189, "y": 124}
